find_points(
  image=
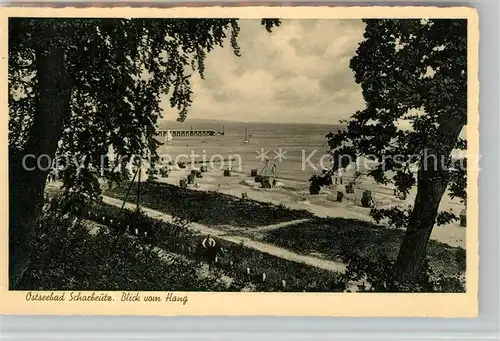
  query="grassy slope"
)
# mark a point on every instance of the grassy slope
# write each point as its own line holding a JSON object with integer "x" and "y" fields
{"x": 210, "y": 208}
{"x": 330, "y": 237}
{"x": 298, "y": 277}
{"x": 67, "y": 257}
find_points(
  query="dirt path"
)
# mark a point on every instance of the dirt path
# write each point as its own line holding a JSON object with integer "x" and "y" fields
{"x": 259, "y": 246}
{"x": 279, "y": 225}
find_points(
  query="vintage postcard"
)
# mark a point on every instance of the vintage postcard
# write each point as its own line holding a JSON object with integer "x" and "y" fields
{"x": 310, "y": 161}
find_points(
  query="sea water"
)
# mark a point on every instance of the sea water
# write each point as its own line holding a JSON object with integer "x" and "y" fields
{"x": 296, "y": 150}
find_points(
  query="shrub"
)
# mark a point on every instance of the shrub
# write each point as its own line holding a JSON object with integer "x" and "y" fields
{"x": 66, "y": 257}
{"x": 376, "y": 276}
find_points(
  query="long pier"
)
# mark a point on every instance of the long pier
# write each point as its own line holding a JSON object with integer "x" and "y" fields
{"x": 190, "y": 132}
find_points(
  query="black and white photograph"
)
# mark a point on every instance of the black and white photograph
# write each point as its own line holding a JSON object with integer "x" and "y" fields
{"x": 213, "y": 154}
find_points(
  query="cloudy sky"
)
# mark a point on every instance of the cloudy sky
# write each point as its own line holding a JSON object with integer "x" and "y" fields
{"x": 298, "y": 73}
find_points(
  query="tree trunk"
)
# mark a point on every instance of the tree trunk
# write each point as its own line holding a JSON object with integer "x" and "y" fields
{"x": 432, "y": 183}
{"x": 27, "y": 177}
{"x": 414, "y": 246}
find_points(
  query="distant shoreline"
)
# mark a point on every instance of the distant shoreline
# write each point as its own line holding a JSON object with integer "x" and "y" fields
{"x": 215, "y": 121}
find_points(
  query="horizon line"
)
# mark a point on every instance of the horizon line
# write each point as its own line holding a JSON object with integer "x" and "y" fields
{"x": 261, "y": 122}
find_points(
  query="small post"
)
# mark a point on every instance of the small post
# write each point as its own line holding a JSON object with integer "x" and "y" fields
{"x": 283, "y": 282}
{"x": 139, "y": 187}
{"x": 263, "y": 277}
{"x": 248, "y": 271}
{"x": 136, "y": 232}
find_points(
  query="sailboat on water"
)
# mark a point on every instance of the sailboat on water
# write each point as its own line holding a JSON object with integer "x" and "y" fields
{"x": 168, "y": 136}
{"x": 247, "y": 137}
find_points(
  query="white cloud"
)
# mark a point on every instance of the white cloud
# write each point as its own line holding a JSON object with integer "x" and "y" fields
{"x": 298, "y": 73}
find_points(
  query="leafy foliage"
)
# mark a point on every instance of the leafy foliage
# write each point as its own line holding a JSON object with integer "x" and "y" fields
{"x": 412, "y": 71}
{"x": 79, "y": 86}
{"x": 118, "y": 69}
{"x": 395, "y": 217}
{"x": 413, "y": 76}
{"x": 377, "y": 276}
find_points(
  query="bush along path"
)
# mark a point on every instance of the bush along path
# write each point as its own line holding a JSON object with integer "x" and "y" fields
{"x": 249, "y": 243}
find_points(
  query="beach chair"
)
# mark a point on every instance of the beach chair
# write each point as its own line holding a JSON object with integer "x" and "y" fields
{"x": 183, "y": 183}
{"x": 366, "y": 200}
{"x": 463, "y": 218}
{"x": 314, "y": 189}
{"x": 265, "y": 183}
{"x": 340, "y": 196}
{"x": 349, "y": 188}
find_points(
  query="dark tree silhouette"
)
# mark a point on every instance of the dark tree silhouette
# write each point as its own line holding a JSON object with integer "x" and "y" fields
{"x": 414, "y": 70}
{"x": 77, "y": 86}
